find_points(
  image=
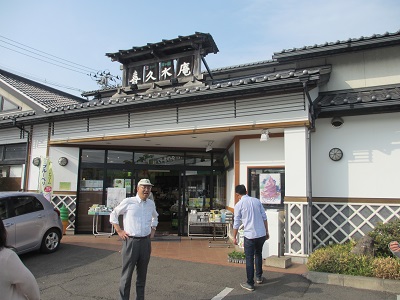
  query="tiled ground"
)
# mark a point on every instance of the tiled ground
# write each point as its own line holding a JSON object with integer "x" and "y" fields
{"x": 195, "y": 250}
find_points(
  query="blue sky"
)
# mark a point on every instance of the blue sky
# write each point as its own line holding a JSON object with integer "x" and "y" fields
{"x": 81, "y": 32}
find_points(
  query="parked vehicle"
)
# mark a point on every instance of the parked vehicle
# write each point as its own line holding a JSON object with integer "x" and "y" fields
{"x": 31, "y": 221}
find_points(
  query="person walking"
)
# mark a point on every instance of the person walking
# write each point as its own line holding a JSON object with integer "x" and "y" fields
{"x": 250, "y": 212}
{"x": 16, "y": 281}
{"x": 140, "y": 220}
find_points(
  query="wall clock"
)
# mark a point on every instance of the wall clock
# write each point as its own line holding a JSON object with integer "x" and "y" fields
{"x": 36, "y": 161}
{"x": 335, "y": 154}
{"x": 63, "y": 161}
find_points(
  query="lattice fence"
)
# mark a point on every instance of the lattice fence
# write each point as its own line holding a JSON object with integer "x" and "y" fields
{"x": 340, "y": 222}
{"x": 70, "y": 203}
{"x": 297, "y": 231}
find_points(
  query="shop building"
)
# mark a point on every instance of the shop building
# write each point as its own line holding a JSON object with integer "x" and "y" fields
{"x": 313, "y": 132}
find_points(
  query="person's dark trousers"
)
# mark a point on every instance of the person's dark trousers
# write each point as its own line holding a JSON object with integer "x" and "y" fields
{"x": 135, "y": 252}
{"x": 253, "y": 252}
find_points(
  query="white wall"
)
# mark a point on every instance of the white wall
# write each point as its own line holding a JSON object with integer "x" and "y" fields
{"x": 254, "y": 153}
{"x": 363, "y": 69}
{"x": 67, "y": 174}
{"x": 371, "y": 160}
{"x": 296, "y": 145}
{"x": 38, "y": 149}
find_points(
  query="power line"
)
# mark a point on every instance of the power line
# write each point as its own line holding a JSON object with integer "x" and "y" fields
{"x": 58, "y": 59}
{"x": 44, "y": 60}
{"x": 32, "y": 77}
{"x": 103, "y": 78}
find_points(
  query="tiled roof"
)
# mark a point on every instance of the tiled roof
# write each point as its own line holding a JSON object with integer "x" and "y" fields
{"x": 272, "y": 80}
{"x": 372, "y": 99}
{"x": 41, "y": 94}
{"x": 167, "y": 47}
{"x": 350, "y": 44}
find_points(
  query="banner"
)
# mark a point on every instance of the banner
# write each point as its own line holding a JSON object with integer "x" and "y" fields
{"x": 46, "y": 178}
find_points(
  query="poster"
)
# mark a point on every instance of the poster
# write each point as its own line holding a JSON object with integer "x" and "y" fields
{"x": 270, "y": 188}
{"x": 46, "y": 178}
{"x": 115, "y": 196}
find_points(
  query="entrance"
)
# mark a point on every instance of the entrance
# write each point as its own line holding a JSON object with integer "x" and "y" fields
{"x": 166, "y": 194}
{"x": 176, "y": 193}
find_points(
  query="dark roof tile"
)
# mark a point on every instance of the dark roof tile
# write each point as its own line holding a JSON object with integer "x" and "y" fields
{"x": 40, "y": 93}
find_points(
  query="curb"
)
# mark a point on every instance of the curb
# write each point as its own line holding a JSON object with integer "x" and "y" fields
{"x": 359, "y": 282}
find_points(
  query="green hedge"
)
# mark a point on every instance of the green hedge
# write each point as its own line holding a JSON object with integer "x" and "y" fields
{"x": 339, "y": 259}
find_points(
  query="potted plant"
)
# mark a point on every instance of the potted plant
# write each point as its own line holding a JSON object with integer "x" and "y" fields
{"x": 237, "y": 257}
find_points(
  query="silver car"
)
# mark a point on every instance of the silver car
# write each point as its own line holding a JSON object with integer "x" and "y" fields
{"x": 31, "y": 221}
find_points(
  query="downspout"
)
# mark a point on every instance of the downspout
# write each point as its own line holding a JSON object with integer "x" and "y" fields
{"x": 311, "y": 110}
{"x": 26, "y": 152}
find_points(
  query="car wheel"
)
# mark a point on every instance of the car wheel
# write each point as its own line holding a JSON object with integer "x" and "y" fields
{"x": 51, "y": 241}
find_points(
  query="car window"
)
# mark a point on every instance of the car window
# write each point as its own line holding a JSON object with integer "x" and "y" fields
{"x": 3, "y": 209}
{"x": 26, "y": 204}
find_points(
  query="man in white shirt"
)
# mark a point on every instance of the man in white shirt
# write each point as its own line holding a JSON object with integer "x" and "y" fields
{"x": 250, "y": 212}
{"x": 140, "y": 220}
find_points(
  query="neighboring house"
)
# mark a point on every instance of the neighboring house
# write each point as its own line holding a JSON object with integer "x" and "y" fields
{"x": 328, "y": 114}
{"x": 21, "y": 98}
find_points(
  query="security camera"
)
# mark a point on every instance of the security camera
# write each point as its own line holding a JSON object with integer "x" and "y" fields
{"x": 337, "y": 122}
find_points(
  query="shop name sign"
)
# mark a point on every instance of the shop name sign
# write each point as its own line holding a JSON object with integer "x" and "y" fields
{"x": 165, "y": 160}
{"x": 164, "y": 70}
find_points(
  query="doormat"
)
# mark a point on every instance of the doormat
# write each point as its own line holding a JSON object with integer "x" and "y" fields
{"x": 167, "y": 238}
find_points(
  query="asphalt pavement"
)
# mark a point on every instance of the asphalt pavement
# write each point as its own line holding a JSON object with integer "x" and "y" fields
{"x": 83, "y": 273}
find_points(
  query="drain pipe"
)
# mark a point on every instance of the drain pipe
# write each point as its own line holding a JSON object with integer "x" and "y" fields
{"x": 311, "y": 110}
{"x": 26, "y": 152}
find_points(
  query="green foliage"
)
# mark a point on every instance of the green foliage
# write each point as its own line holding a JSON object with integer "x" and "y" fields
{"x": 383, "y": 234}
{"x": 339, "y": 259}
{"x": 387, "y": 267}
{"x": 236, "y": 255}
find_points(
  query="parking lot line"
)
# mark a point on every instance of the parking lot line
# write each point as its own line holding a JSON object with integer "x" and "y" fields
{"x": 222, "y": 294}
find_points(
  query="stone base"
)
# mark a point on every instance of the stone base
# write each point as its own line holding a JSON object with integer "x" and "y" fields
{"x": 278, "y": 262}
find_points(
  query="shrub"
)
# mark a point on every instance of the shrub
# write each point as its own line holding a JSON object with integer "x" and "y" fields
{"x": 338, "y": 259}
{"x": 383, "y": 234}
{"x": 386, "y": 267}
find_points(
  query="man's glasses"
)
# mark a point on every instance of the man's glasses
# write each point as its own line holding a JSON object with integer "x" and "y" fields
{"x": 146, "y": 187}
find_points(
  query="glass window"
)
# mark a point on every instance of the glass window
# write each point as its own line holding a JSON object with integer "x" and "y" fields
{"x": 25, "y": 205}
{"x": 159, "y": 158}
{"x": 91, "y": 192}
{"x": 4, "y": 214}
{"x": 10, "y": 177}
{"x": 268, "y": 185}
{"x": 13, "y": 152}
{"x": 93, "y": 156}
{"x": 119, "y": 157}
{"x": 198, "y": 159}
{"x": 120, "y": 178}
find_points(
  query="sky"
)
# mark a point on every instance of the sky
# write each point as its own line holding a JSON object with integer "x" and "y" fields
{"x": 62, "y": 43}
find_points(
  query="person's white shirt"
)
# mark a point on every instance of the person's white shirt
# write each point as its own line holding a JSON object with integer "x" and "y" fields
{"x": 16, "y": 281}
{"x": 138, "y": 216}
